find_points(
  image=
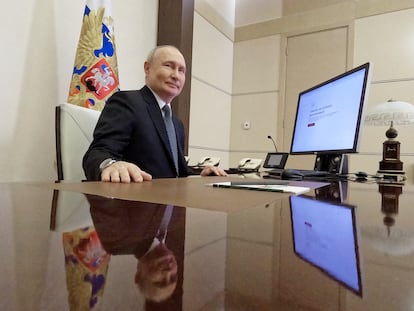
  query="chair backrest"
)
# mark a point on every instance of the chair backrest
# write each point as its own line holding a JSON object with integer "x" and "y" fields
{"x": 70, "y": 211}
{"x": 74, "y": 126}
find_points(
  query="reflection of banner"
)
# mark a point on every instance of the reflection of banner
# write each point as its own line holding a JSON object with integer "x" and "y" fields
{"x": 86, "y": 266}
{"x": 95, "y": 72}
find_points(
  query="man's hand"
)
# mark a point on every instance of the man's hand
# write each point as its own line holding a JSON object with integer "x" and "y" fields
{"x": 213, "y": 170}
{"x": 125, "y": 172}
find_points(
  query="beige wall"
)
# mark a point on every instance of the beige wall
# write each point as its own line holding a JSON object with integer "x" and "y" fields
{"x": 211, "y": 87}
{"x": 220, "y": 84}
{"x": 255, "y": 97}
{"x": 39, "y": 40}
{"x": 393, "y": 78}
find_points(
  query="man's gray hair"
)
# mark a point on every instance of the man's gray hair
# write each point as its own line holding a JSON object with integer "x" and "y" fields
{"x": 152, "y": 53}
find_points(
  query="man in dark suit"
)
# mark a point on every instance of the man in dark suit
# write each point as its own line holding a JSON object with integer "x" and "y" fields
{"x": 131, "y": 141}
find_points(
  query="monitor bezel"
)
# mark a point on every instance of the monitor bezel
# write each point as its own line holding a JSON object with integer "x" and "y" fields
{"x": 357, "y": 135}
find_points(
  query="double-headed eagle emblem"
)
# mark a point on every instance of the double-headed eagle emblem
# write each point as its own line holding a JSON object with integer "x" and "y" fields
{"x": 95, "y": 72}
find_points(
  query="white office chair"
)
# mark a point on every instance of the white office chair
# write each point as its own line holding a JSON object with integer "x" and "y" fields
{"x": 70, "y": 211}
{"x": 74, "y": 126}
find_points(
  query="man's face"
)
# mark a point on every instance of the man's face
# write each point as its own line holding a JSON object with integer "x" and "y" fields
{"x": 165, "y": 74}
{"x": 157, "y": 273}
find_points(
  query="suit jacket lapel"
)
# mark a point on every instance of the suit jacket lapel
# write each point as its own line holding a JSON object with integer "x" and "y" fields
{"x": 156, "y": 117}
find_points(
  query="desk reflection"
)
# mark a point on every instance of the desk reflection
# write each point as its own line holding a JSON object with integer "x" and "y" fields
{"x": 336, "y": 191}
{"x": 151, "y": 233}
{"x": 390, "y": 194}
{"x": 325, "y": 235}
{"x": 390, "y": 237}
{"x": 245, "y": 259}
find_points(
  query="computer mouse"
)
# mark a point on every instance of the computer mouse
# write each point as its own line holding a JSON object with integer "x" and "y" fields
{"x": 292, "y": 174}
{"x": 361, "y": 174}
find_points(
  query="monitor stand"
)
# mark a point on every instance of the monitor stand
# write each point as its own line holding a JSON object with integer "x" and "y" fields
{"x": 334, "y": 163}
{"x": 336, "y": 191}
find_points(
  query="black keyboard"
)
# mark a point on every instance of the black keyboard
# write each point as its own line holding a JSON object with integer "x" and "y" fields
{"x": 240, "y": 170}
{"x": 297, "y": 174}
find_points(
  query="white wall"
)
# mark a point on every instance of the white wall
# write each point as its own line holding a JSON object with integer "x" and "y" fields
{"x": 37, "y": 56}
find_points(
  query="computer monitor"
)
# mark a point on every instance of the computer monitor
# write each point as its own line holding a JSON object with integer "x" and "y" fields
{"x": 329, "y": 118}
{"x": 325, "y": 235}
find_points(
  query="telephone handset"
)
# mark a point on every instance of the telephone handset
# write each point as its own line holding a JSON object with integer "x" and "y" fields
{"x": 208, "y": 161}
{"x": 187, "y": 159}
{"x": 249, "y": 164}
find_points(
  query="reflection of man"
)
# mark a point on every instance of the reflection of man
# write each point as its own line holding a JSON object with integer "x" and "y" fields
{"x": 127, "y": 227}
{"x": 156, "y": 274}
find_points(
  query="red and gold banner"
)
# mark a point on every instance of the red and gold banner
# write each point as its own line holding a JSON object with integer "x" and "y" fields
{"x": 95, "y": 72}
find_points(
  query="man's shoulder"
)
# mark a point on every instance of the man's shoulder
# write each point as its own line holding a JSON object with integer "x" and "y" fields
{"x": 144, "y": 93}
{"x": 126, "y": 93}
{"x": 134, "y": 101}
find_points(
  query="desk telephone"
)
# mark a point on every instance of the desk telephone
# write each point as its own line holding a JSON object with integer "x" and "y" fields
{"x": 208, "y": 161}
{"x": 187, "y": 159}
{"x": 249, "y": 164}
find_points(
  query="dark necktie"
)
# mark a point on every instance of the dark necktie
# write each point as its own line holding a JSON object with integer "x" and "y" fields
{"x": 171, "y": 134}
{"x": 162, "y": 231}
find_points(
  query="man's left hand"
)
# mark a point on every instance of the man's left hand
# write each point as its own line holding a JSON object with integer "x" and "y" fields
{"x": 213, "y": 170}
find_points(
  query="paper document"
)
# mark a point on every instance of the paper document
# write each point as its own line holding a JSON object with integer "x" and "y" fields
{"x": 264, "y": 186}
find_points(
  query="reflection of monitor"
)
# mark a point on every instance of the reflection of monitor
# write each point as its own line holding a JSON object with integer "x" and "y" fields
{"x": 329, "y": 116}
{"x": 337, "y": 191}
{"x": 325, "y": 235}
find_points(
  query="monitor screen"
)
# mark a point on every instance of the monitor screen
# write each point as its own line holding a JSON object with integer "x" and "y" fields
{"x": 329, "y": 115}
{"x": 325, "y": 235}
{"x": 275, "y": 160}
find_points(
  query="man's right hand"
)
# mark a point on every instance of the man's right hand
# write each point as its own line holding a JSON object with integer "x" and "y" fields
{"x": 124, "y": 172}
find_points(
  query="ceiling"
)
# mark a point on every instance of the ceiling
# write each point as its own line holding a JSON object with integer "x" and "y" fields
{"x": 254, "y": 11}
{"x": 244, "y": 12}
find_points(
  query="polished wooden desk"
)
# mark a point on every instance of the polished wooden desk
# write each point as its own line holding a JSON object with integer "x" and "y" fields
{"x": 188, "y": 192}
{"x": 238, "y": 257}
